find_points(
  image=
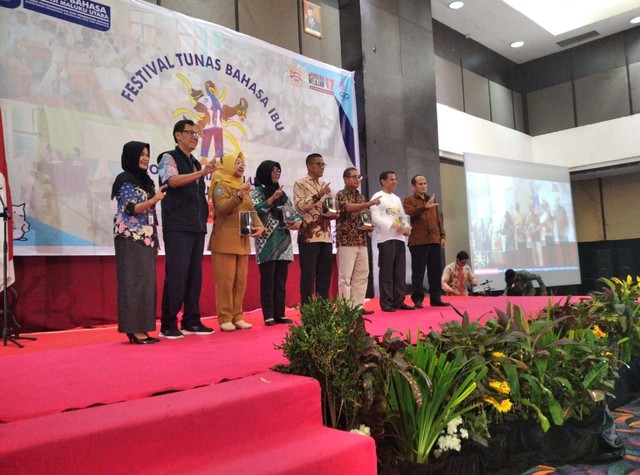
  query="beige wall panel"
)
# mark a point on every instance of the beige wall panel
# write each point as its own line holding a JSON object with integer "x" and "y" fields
{"x": 501, "y": 105}
{"x": 454, "y": 207}
{"x": 550, "y": 109}
{"x": 273, "y": 21}
{"x": 476, "y": 95}
{"x": 449, "y": 84}
{"x": 621, "y": 195}
{"x": 519, "y": 111}
{"x": 588, "y": 213}
{"x": 603, "y": 96}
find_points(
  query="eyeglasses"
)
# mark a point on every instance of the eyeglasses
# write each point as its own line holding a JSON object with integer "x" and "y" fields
{"x": 275, "y": 170}
{"x": 320, "y": 164}
{"x": 357, "y": 177}
{"x": 193, "y": 133}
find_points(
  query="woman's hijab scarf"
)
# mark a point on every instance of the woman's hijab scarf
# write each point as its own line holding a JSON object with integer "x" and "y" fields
{"x": 227, "y": 174}
{"x": 263, "y": 179}
{"x": 132, "y": 173}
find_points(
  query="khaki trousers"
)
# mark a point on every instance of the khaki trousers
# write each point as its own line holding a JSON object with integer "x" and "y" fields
{"x": 353, "y": 273}
{"x": 230, "y": 274}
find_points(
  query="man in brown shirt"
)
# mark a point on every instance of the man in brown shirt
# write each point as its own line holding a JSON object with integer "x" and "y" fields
{"x": 426, "y": 239}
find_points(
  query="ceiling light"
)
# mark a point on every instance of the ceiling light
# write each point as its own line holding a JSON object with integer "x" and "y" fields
{"x": 456, "y": 5}
{"x": 635, "y": 20}
{"x": 561, "y": 16}
{"x": 517, "y": 44}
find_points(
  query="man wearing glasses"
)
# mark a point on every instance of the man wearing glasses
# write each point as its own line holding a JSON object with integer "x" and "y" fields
{"x": 353, "y": 256}
{"x": 184, "y": 226}
{"x": 314, "y": 236}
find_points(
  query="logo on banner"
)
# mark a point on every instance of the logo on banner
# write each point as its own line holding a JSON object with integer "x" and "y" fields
{"x": 295, "y": 75}
{"x": 320, "y": 83}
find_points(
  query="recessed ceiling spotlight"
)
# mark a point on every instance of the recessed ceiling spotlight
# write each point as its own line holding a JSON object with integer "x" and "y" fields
{"x": 456, "y": 5}
{"x": 635, "y": 20}
{"x": 517, "y": 44}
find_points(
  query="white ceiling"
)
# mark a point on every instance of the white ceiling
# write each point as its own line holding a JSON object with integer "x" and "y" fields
{"x": 496, "y": 25}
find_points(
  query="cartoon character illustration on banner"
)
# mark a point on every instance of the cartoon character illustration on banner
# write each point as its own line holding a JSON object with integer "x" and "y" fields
{"x": 20, "y": 224}
{"x": 213, "y": 117}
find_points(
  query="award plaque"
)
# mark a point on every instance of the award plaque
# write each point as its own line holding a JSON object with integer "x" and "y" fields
{"x": 329, "y": 206}
{"x": 248, "y": 221}
{"x": 286, "y": 216}
{"x": 405, "y": 221}
{"x": 364, "y": 220}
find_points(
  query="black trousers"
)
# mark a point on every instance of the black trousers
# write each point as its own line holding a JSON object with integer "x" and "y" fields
{"x": 316, "y": 260}
{"x": 183, "y": 278}
{"x": 392, "y": 264}
{"x": 273, "y": 288}
{"x": 425, "y": 256}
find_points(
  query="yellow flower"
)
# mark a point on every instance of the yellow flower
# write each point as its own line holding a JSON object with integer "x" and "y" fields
{"x": 498, "y": 354}
{"x": 597, "y": 332}
{"x": 502, "y": 406}
{"x": 501, "y": 386}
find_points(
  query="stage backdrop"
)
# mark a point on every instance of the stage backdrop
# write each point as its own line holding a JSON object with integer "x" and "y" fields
{"x": 78, "y": 79}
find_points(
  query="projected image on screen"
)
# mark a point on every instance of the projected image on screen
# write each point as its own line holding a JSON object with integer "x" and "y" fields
{"x": 520, "y": 217}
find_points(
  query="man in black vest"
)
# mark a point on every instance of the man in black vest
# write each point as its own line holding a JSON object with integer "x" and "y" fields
{"x": 184, "y": 226}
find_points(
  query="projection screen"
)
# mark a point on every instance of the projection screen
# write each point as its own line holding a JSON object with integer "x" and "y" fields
{"x": 520, "y": 217}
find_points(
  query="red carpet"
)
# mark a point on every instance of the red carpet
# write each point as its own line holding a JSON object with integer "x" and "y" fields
{"x": 63, "y": 371}
{"x": 263, "y": 424}
{"x": 80, "y": 401}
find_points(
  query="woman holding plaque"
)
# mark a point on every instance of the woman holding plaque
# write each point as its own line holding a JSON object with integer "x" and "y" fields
{"x": 235, "y": 222}
{"x": 273, "y": 249}
{"x": 135, "y": 237}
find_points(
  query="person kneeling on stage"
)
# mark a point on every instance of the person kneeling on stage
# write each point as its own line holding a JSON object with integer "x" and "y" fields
{"x": 520, "y": 283}
{"x": 457, "y": 275}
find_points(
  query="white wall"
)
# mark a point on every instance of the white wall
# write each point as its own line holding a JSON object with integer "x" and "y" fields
{"x": 605, "y": 143}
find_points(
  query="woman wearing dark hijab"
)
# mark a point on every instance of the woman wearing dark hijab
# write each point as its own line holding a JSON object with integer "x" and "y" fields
{"x": 135, "y": 238}
{"x": 273, "y": 249}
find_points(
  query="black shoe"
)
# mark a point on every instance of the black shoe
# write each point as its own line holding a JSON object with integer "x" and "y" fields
{"x": 269, "y": 322}
{"x": 198, "y": 329}
{"x": 286, "y": 321}
{"x": 404, "y": 306}
{"x": 155, "y": 340}
{"x": 419, "y": 305}
{"x": 141, "y": 341}
{"x": 387, "y": 309}
{"x": 439, "y": 304}
{"x": 367, "y": 312}
{"x": 171, "y": 333}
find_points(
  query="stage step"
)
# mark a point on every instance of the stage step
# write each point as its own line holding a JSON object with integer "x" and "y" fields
{"x": 268, "y": 423}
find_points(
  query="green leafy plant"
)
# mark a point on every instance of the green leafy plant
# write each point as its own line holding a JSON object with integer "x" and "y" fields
{"x": 440, "y": 390}
{"x": 550, "y": 372}
{"x": 615, "y": 313}
{"x": 330, "y": 345}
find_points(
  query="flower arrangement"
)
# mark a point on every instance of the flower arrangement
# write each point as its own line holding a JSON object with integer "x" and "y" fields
{"x": 451, "y": 437}
{"x": 426, "y": 401}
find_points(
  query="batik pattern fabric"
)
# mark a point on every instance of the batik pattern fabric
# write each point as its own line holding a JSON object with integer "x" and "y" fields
{"x": 139, "y": 228}
{"x": 275, "y": 243}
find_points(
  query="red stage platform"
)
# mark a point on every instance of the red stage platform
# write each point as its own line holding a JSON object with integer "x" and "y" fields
{"x": 89, "y": 389}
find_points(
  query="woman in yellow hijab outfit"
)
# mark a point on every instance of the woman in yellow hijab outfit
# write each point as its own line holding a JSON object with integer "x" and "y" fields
{"x": 229, "y": 250}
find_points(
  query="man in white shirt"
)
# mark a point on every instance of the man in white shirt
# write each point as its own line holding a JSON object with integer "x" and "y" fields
{"x": 391, "y": 229}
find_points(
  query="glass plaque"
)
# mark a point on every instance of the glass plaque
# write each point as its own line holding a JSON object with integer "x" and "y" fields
{"x": 248, "y": 220}
{"x": 405, "y": 221}
{"x": 329, "y": 205}
{"x": 364, "y": 220}
{"x": 286, "y": 216}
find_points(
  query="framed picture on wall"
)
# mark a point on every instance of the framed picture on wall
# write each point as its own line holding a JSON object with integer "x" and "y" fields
{"x": 312, "y": 18}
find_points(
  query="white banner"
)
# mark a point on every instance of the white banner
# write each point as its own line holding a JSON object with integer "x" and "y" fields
{"x": 78, "y": 79}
